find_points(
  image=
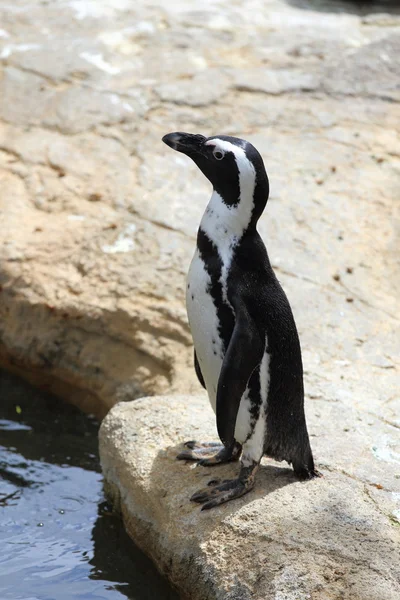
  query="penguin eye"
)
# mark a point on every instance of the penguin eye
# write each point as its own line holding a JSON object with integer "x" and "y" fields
{"x": 218, "y": 154}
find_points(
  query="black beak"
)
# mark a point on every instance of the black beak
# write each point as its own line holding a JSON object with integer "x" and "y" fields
{"x": 188, "y": 143}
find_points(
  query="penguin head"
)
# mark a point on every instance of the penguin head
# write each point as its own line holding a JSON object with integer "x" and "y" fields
{"x": 232, "y": 165}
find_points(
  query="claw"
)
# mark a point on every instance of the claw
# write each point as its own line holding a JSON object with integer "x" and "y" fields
{"x": 190, "y": 444}
{"x": 195, "y": 454}
{"x": 193, "y": 444}
{"x": 217, "y": 459}
{"x": 217, "y": 492}
{"x": 209, "y": 453}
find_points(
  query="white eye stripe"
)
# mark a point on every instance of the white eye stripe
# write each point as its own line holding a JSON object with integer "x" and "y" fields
{"x": 223, "y": 145}
{"x": 246, "y": 169}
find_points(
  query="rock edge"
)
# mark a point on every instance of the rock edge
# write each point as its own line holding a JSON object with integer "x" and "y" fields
{"x": 331, "y": 538}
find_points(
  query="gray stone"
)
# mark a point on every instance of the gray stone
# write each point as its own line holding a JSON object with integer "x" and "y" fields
{"x": 275, "y": 82}
{"x": 201, "y": 90}
{"x": 98, "y": 223}
{"x": 99, "y": 218}
{"x": 335, "y": 537}
{"x": 372, "y": 70}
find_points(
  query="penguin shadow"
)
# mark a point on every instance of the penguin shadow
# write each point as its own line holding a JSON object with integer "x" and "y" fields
{"x": 180, "y": 479}
{"x": 354, "y": 7}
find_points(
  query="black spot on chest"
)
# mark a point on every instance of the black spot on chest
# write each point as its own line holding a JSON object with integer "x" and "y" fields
{"x": 213, "y": 265}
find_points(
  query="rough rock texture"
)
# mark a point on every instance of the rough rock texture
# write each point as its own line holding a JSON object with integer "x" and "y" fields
{"x": 332, "y": 538}
{"x": 97, "y": 227}
{"x": 98, "y": 218}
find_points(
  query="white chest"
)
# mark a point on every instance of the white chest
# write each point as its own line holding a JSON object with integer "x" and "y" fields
{"x": 204, "y": 325}
{"x": 224, "y": 227}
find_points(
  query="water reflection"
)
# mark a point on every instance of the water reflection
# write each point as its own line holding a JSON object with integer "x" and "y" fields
{"x": 59, "y": 537}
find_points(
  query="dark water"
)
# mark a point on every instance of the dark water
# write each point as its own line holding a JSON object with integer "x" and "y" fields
{"x": 58, "y": 538}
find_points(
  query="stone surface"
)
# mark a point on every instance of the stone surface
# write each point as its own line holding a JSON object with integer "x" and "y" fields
{"x": 98, "y": 217}
{"x": 97, "y": 226}
{"x": 332, "y": 538}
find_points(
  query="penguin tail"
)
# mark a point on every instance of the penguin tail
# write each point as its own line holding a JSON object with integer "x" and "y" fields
{"x": 305, "y": 469}
{"x": 287, "y": 439}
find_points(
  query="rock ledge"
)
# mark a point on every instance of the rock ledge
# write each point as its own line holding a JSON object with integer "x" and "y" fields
{"x": 337, "y": 537}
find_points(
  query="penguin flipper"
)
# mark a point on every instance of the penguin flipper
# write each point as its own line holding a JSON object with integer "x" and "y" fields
{"x": 198, "y": 371}
{"x": 244, "y": 354}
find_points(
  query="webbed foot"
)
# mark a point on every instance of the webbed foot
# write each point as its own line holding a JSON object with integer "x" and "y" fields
{"x": 210, "y": 453}
{"x": 218, "y": 492}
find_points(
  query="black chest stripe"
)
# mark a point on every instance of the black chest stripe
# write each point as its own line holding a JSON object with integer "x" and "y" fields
{"x": 213, "y": 265}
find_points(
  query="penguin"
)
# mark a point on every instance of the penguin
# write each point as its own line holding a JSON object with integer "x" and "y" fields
{"x": 247, "y": 351}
